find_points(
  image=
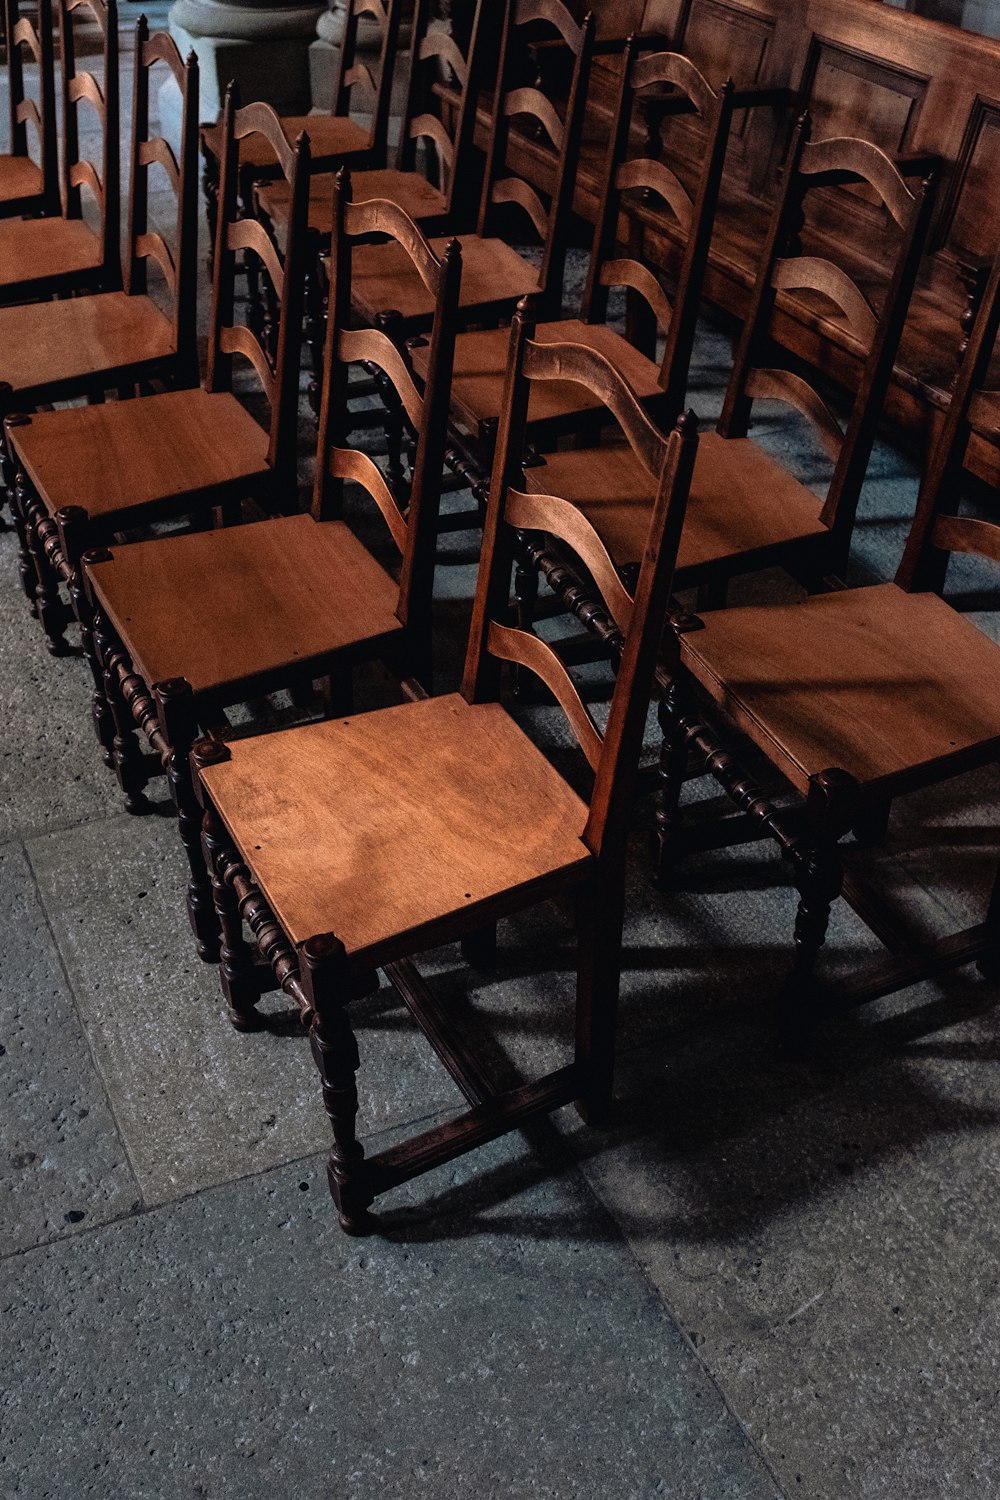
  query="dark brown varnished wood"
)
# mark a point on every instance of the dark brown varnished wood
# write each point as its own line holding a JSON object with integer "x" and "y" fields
{"x": 29, "y": 168}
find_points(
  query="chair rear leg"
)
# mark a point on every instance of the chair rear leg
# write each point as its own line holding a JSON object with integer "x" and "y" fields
{"x": 178, "y": 722}
{"x": 819, "y": 878}
{"x": 598, "y": 975}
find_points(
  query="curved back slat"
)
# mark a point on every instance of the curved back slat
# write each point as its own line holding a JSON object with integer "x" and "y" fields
{"x": 441, "y": 45}
{"x": 430, "y": 128}
{"x": 161, "y": 47}
{"x": 153, "y": 246}
{"x": 84, "y": 86}
{"x": 613, "y": 756}
{"x": 639, "y": 278}
{"x": 785, "y": 385}
{"x": 815, "y": 274}
{"x": 23, "y": 38}
{"x": 412, "y": 516}
{"x": 557, "y": 15}
{"x": 24, "y": 35}
{"x": 361, "y": 74}
{"x": 84, "y": 174}
{"x": 356, "y": 82}
{"x": 27, "y": 113}
{"x": 967, "y": 534}
{"x": 654, "y": 176}
{"x": 277, "y": 364}
{"x": 80, "y": 87}
{"x": 516, "y": 190}
{"x": 848, "y": 159}
{"x": 161, "y": 153}
{"x": 679, "y": 71}
{"x": 531, "y": 101}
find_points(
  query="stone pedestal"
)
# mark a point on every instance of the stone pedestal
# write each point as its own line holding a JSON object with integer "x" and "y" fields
{"x": 265, "y": 47}
{"x": 324, "y": 55}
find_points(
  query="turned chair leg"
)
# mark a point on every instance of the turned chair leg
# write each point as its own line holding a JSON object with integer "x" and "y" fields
{"x": 237, "y": 970}
{"x": 126, "y": 753}
{"x": 100, "y": 708}
{"x": 819, "y": 879}
{"x": 40, "y": 533}
{"x": 599, "y": 917}
{"x": 672, "y": 774}
{"x": 326, "y": 980}
{"x": 178, "y": 721}
{"x": 16, "y": 498}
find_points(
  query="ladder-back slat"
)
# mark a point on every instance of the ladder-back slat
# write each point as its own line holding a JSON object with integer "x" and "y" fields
{"x": 550, "y": 513}
{"x": 527, "y": 650}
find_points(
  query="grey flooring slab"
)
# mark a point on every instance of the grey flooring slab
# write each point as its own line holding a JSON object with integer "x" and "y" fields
{"x": 62, "y": 1163}
{"x": 197, "y": 1102}
{"x": 495, "y": 1342}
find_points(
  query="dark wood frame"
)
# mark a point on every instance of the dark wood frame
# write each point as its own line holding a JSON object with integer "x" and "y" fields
{"x": 79, "y": 85}
{"x": 21, "y": 36}
{"x": 319, "y": 976}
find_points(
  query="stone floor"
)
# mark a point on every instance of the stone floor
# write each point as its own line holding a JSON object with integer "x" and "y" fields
{"x": 767, "y": 1280}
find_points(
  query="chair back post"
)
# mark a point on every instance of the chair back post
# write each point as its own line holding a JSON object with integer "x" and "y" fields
{"x": 594, "y": 307}
{"x": 924, "y": 565}
{"x": 349, "y": 72}
{"x": 615, "y": 780}
{"x": 501, "y": 184}
{"x": 332, "y": 427}
{"x": 786, "y": 222}
{"x": 840, "y": 507}
{"x": 186, "y": 299}
{"x": 416, "y": 583}
{"x": 78, "y": 85}
{"x": 482, "y": 675}
{"x": 135, "y": 277}
{"x": 284, "y": 413}
{"x": 220, "y": 362}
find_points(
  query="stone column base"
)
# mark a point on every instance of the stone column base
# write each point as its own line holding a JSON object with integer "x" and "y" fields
{"x": 265, "y": 48}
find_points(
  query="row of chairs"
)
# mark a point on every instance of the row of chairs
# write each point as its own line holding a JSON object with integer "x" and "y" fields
{"x": 456, "y": 820}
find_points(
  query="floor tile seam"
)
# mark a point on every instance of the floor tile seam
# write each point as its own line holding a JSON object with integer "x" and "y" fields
{"x": 167, "y": 1205}
{"x": 98, "y": 1069}
{"x": 42, "y": 830}
{"x": 607, "y": 1214}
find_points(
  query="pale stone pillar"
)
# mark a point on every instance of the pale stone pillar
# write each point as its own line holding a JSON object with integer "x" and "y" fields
{"x": 264, "y": 46}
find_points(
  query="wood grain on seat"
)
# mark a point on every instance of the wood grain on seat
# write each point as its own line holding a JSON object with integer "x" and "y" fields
{"x": 19, "y": 178}
{"x": 873, "y": 681}
{"x": 742, "y": 501}
{"x": 481, "y": 360}
{"x": 383, "y": 277}
{"x": 115, "y": 458}
{"x": 53, "y": 342}
{"x": 409, "y": 190}
{"x": 30, "y": 248}
{"x": 382, "y": 825}
{"x": 329, "y": 135}
{"x": 223, "y": 607}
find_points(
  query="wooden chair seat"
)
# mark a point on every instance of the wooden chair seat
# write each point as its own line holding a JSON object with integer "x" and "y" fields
{"x": 52, "y": 344}
{"x": 19, "y": 178}
{"x": 225, "y": 608}
{"x": 872, "y": 681}
{"x": 32, "y": 249}
{"x": 410, "y": 191}
{"x": 118, "y": 457}
{"x": 433, "y": 808}
{"x": 481, "y": 358}
{"x": 329, "y": 136}
{"x": 383, "y": 278}
{"x": 742, "y": 502}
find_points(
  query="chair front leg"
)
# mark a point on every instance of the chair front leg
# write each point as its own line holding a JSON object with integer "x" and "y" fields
{"x": 819, "y": 878}
{"x": 326, "y": 980}
{"x": 237, "y": 970}
{"x": 42, "y": 536}
{"x": 100, "y": 708}
{"x": 126, "y": 753}
{"x": 599, "y": 918}
{"x": 179, "y": 727}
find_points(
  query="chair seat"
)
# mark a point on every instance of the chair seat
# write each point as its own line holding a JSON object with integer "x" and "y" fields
{"x": 742, "y": 501}
{"x": 19, "y": 178}
{"x": 39, "y": 249}
{"x": 231, "y": 607}
{"x": 409, "y": 190}
{"x": 383, "y": 826}
{"x": 119, "y": 457}
{"x": 329, "y": 136}
{"x": 59, "y": 343}
{"x": 481, "y": 363}
{"x": 873, "y": 681}
{"x": 383, "y": 278}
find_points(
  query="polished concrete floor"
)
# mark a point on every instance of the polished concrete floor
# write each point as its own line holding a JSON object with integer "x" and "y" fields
{"x": 768, "y": 1279}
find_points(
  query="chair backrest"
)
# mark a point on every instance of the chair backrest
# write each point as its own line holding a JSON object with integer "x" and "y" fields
{"x": 411, "y": 517}
{"x": 278, "y": 375}
{"x": 356, "y": 84}
{"x": 784, "y": 269}
{"x": 179, "y": 265}
{"x": 436, "y": 64}
{"x": 614, "y": 755}
{"x": 22, "y": 38}
{"x": 938, "y": 529}
{"x": 646, "y": 189}
{"x": 558, "y": 137}
{"x": 103, "y": 179}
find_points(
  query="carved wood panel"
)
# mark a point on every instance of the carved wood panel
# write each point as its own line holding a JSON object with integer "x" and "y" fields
{"x": 970, "y": 218}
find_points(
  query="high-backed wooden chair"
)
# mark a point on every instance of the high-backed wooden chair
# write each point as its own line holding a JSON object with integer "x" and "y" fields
{"x": 434, "y": 177}
{"x": 354, "y": 133}
{"x": 57, "y": 255}
{"x": 355, "y": 843}
{"x": 85, "y": 474}
{"x": 27, "y": 186}
{"x": 856, "y": 697}
{"x": 747, "y": 511}
{"x": 495, "y": 276}
{"x": 630, "y": 178}
{"x": 187, "y": 625}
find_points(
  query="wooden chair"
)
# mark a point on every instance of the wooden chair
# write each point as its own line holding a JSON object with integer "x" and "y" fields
{"x": 185, "y": 626}
{"x": 477, "y": 387}
{"x": 27, "y": 187}
{"x": 747, "y": 511}
{"x": 337, "y": 139}
{"x": 434, "y": 178}
{"x": 86, "y": 474}
{"x": 856, "y": 697}
{"x": 57, "y": 255}
{"x": 495, "y": 276}
{"x": 353, "y": 844}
